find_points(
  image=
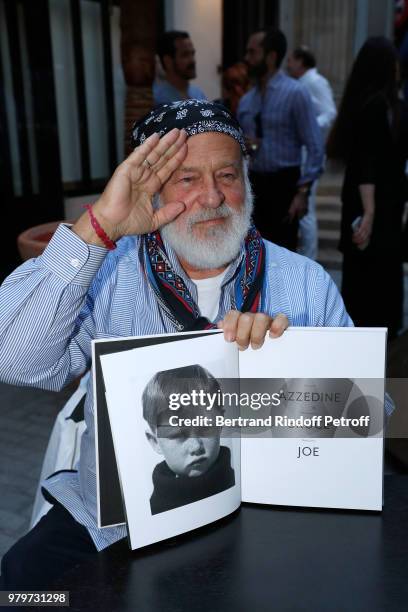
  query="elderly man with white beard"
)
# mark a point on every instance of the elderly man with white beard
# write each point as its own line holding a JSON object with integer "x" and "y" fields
{"x": 168, "y": 247}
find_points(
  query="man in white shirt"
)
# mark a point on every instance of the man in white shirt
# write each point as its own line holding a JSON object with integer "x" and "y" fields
{"x": 302, "y": 65}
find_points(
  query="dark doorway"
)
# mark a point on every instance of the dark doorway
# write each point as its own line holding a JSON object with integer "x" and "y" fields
{"x": 41, "y": 199}
{"x": 240, "y": 19}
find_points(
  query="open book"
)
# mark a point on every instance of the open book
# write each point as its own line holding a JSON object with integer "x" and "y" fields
{"x": 188, "y": 427}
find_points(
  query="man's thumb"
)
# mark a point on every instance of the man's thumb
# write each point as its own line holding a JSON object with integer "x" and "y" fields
{"x": 168, "y": 213}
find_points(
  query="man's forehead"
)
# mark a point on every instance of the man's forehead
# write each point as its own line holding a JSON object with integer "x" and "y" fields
{"x": 222, "y": 163}
{"x": 255, "y": 40}
{"x": 183, "y": 44}
{"x": 213, "y": 146}
{"x": 211, "y": 155}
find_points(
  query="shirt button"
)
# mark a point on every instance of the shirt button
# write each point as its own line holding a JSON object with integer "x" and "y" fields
{"x": 75, "y": 262}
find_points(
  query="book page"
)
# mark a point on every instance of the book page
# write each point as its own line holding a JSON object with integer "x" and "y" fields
{"x": 174, "y": 476}
{"x": 109, "y": 497}
{"x": 304, "y": 458}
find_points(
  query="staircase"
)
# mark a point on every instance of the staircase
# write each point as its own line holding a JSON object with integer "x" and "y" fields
{"x": 328, "y": 212}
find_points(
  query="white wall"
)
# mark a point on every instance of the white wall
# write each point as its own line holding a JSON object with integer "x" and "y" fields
{"x": 203, "y": 20}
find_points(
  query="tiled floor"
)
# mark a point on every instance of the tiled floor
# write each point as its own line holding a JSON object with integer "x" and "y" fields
{"x": 26, "y": 419}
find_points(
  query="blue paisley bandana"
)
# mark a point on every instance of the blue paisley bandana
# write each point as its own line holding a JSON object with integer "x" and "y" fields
{"x": 193, "y": 116}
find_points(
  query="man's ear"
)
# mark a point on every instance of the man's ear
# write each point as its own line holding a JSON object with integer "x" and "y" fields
{"x": 168, "y": 63}
{"x": 270, "y": 59}
{"x": 152, "y": 439}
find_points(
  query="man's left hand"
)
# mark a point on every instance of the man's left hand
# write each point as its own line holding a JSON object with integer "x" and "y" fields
{"x": 298, "y": 207}
{"x": 247, "y": 328}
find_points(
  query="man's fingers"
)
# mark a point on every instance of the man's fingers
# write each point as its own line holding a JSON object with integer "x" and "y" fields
{"x": 141, "y": 152}
{"x": 172, "y": 164}
{"x": 248, "y": 328}
{"x": 260, "y": 326}
{"x": 166, "y": 163}
{"x": 152, "y": 148}
{"x": 244, "y": 329}
{"x": 167, "y": 213}
{"x": 278, "y": 325}
{"x": 160, "y": 156}
{"x": 229, "y": 325}
{"x": 361, "y": 235}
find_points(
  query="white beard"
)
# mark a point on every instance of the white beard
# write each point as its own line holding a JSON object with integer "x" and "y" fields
{"x": 221, "y": 244}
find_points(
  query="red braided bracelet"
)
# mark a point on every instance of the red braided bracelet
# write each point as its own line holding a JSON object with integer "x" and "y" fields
{"x": 99, "y": 230}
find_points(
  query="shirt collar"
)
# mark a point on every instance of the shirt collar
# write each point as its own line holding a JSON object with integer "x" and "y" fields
{"x": 275, "y": 79}
{"x": 308, "y": 74}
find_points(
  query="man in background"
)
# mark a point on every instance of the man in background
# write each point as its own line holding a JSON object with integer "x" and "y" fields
{"x": 177, "y": 56}
{"x": 278, "y": 119}
{"x": 301, "y": 65}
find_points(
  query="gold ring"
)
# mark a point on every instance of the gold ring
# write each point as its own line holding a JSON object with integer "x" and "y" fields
{"x": 147, "y": 163}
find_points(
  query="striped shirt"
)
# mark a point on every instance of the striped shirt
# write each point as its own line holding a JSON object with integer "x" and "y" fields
{"x": 288, "y": 122}
{"x": 165, "y": 93}
{"x": 52, "y": 307}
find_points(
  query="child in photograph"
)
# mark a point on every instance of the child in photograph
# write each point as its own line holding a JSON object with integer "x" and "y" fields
{"x": 195, "y": 464}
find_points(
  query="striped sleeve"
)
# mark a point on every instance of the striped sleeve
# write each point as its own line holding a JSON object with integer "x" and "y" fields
{"x": 329, "y": 309}
{"x": 40, "y": 303}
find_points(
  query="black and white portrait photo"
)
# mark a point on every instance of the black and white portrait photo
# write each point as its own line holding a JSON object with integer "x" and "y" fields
{"x": 195, "y": 464}
{"x": 174, "y": 476}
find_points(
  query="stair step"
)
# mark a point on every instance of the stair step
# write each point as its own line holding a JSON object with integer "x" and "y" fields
{"x": 330, "y": 258}
{"x": 331, "y": 200}
{"x": 329, "y": 215}
{"x": 329, "y": 224}
{"x": 328, "y": 243}
{"x": 331, "y": 181}
{"x": 329, "y": 264}
{"x": 329, "y": 234}
{"x": 327, "y": 208}
{"x": 328, "y": 219}
{"x": 329, "y": 191}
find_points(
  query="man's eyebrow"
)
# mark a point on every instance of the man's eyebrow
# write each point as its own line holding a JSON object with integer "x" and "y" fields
{"x": 226, "y": 164}
{"x": 187, "y": 169}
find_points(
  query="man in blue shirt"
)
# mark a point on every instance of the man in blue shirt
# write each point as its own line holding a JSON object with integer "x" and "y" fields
{"x": 278, "y": 119}
{"x": 177, "y": 56}
{"x": 114, "y": 274}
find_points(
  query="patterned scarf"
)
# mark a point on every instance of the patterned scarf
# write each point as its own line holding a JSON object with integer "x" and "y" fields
{"x": 176, "y": 300}
{"x": 194, "y": 116}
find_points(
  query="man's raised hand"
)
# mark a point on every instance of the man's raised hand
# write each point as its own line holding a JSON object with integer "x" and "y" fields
{"x": 126, "y": 205}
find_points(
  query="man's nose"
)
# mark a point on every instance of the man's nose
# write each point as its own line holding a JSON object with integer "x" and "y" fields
{"x": 211, "y": 196}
